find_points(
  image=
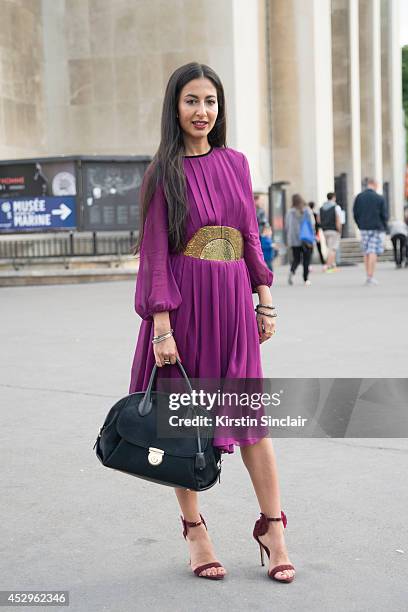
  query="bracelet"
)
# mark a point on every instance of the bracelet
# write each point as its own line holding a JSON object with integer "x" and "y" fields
{"x": 264, "y": 314}
{"x": 268, "y": 306}
{"x": 161, "y": 335}
{"x": 157, "y": 339}
{"x": 161, "y": 339}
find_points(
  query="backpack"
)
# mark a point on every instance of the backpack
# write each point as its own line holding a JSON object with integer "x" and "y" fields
{"x": 328, "y": 218}
{"x": 306, "y": 232}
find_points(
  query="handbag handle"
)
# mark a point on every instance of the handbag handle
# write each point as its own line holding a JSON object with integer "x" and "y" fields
{"x": 145, "y": 407}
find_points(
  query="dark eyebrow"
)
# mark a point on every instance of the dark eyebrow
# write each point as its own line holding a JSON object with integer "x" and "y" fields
{"x": 193, "y": 96}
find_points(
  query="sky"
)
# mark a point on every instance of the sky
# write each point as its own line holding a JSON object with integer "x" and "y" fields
{"x": 403, "y": 22}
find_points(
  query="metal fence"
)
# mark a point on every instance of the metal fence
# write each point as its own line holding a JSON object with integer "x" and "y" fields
{"x": 68, "y": 245}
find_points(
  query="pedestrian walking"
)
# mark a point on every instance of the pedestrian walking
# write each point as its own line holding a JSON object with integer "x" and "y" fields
{"x": 200, "y": 263}
{"x": 318, "y": 229}
{"x": 370, "y": 215}
{"x": 267, "y": 245}
{"x": 301, "y": 250}
{"x": 406, "y": 223}
{"x": 269, "y": 249}
{"x": 260, "y": 213}
{"x": 330, "y": 221}
{"x": 398, "y": 234}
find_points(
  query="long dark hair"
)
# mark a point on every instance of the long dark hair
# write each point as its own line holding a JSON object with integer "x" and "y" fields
{"x": 167, "y": 166}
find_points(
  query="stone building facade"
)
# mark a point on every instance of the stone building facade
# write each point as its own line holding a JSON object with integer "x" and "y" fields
{"x": 313, "y": 87}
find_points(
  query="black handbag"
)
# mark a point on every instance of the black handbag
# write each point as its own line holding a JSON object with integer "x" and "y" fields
{"x": 128, "y": 442}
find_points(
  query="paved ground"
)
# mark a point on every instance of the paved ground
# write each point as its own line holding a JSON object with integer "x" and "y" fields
{"x": 115, "y": 542}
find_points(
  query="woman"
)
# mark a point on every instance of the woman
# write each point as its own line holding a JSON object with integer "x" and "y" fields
{"x": 399, "y": 234}
{"x": 300, "y": 249}
{"x": 318, "y": 227}
{"x": 194, "y": 288}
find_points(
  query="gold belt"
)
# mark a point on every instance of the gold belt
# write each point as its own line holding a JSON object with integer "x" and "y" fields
{"x": 216, "y": 242}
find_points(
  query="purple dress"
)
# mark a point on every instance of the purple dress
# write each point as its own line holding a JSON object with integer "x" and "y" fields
{"x": 209, "y": 301}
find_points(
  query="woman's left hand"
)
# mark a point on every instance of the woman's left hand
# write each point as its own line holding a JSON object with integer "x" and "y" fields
{"x": 266, "y": 327}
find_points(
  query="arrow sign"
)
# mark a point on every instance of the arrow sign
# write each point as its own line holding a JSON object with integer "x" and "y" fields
{"x": 63, "y": 211}
{"x": 47, "y": 213}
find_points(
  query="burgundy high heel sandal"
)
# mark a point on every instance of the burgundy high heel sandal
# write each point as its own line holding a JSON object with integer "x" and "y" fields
{"x": 261, "y": 527}
{"x": 201, "y": 568}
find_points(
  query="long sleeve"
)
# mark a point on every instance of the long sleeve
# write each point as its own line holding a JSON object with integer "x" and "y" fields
{"x": 383, "y": 213}
{"x": 259, "y": 272}
{"x": 356, "y": 210}
{"x": 156, "y": 288}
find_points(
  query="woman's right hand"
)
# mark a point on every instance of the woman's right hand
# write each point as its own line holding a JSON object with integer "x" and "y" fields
{"x": 166, "y": 350}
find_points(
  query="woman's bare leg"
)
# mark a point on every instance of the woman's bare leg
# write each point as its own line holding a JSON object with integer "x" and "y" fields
{"x": 260, "y": 462}
{"x": 201, "y": 548}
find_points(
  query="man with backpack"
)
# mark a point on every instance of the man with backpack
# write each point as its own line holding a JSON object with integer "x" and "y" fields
{"x": 330, "y": 220}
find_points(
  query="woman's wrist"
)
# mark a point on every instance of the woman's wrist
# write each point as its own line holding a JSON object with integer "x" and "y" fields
{"x": 264, "y": 295}
{"x": 161, "y": 323}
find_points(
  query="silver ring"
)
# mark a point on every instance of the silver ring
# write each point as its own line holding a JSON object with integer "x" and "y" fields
{"x": 167, "y": 362}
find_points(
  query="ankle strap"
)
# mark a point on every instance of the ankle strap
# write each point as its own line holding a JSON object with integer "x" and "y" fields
{"x": 187, "y": 524}
{"x": 282, "y": 518}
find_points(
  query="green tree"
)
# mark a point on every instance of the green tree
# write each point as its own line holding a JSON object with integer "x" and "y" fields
{"x": 405, "y": 86}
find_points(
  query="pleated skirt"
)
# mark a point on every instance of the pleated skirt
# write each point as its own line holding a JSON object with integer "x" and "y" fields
{"x": 215, "y": 331}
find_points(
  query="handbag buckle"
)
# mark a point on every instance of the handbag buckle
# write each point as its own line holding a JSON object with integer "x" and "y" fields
{"x": 155, "y": 456}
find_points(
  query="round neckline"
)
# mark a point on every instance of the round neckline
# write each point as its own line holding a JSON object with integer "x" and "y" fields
{"x": 201, "y": 155}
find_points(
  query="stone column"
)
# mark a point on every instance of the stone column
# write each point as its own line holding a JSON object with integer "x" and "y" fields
{"x": 355, "y": 179}
{"x": 302, "y": 96}
{"x": 285, "y": 87}
{"x": 248, "y": 108}
{"x": 313, "y": 31}
{"x": 370, "y": 88}
{"x": 346, "y": 100}
{"x": 393, "y": 91}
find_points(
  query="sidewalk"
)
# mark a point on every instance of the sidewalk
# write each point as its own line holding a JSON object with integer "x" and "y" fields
{"x": 66, "y": 270}
{"x": 115, "y": 542}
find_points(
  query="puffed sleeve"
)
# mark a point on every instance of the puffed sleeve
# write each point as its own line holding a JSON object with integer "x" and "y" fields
{"x": 259, "y": 272}
{"x": 156, "y": 288}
